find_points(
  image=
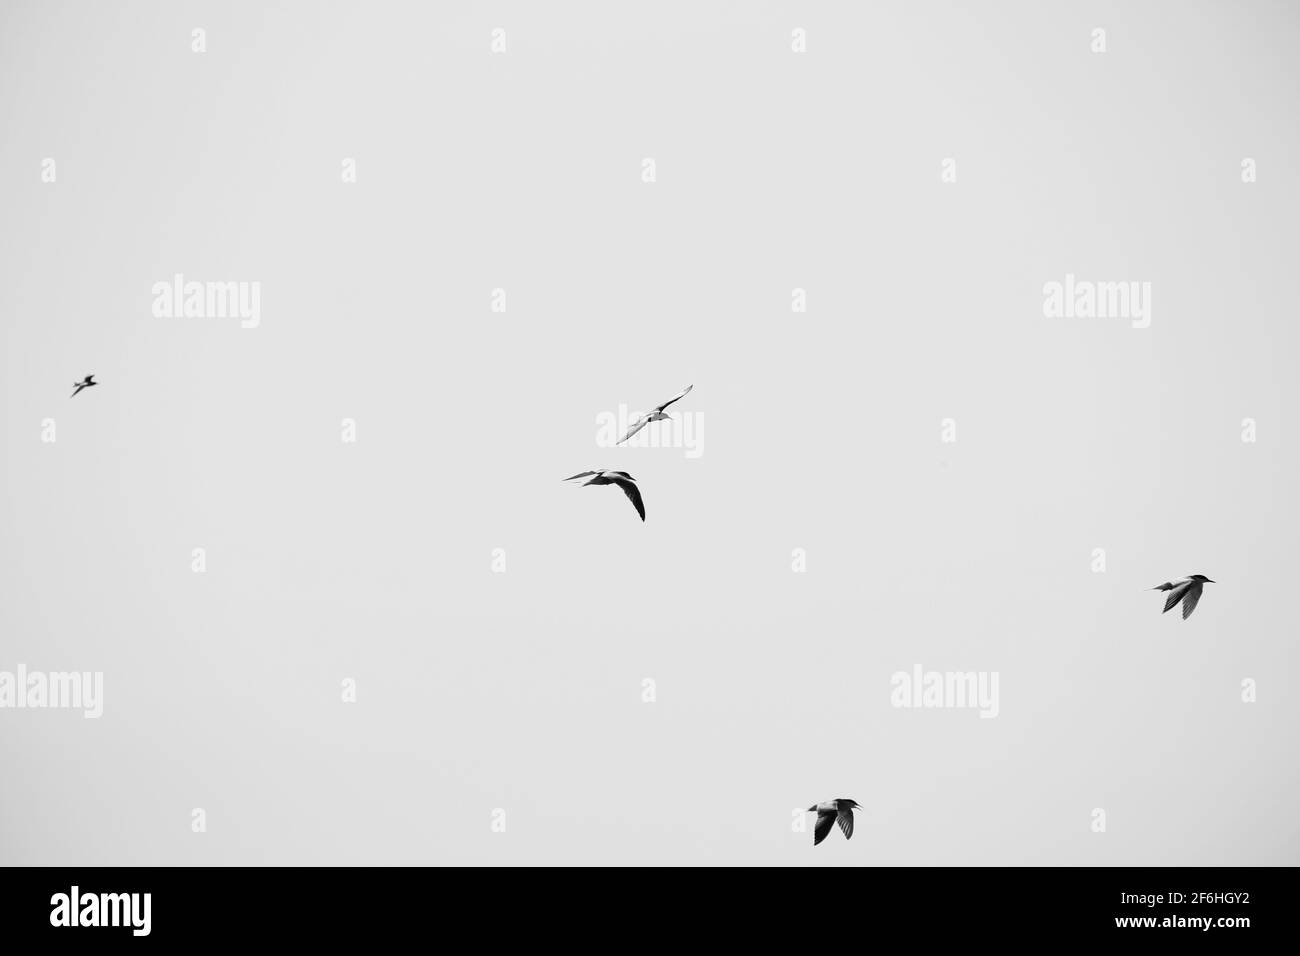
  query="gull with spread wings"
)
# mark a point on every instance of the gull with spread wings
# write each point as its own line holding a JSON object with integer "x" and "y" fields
{"x": 620, "y": 478}
{"x": 85, "y": 383}
{"x": 1188, "y": 590}
{"x": 657, "y": 415}
{"x": 831, "y": 812}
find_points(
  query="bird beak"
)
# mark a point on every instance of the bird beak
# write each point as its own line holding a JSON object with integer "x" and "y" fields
{"x": 1208, "y": 581}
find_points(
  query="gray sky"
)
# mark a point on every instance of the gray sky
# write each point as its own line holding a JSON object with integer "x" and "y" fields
{"x": 821, "y": 430}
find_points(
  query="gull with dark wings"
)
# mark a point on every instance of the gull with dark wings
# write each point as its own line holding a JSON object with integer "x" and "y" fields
{"x": 1188, "y": 590}
{"x": 620, "y": 478}
{"x": 87, "y": 382}
{"x": 831, "y": 812}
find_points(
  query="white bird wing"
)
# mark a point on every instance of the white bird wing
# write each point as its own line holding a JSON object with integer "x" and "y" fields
{"x": 1193, "y": 595}
{"x": 845, "y": 820}
{"x": 640, "y": 424}
{"x": 681, "y": 394}
{"x": 825, "y": 820}
{"x": 1176, "y": 594}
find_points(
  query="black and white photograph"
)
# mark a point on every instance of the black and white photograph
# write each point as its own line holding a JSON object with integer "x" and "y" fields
{"x": 529, "y": 434}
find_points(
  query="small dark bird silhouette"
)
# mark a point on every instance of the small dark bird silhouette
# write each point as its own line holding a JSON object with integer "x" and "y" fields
{"x": 834, "y": 811}
{"x": 620, "y": 478}
{"x": 89, "y": 381}
{"x": 1188, "y": 590}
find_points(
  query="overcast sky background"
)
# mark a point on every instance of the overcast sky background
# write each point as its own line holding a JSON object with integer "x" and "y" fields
{"x": 820, "y": 430}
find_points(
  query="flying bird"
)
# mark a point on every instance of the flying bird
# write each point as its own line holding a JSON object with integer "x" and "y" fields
{"x": 834, "y": 811}
{"x": 1188, "y": 590}
{"x": 89, "y": 381}
{"x": 620, "y": 478}
{"x": 653, "y": 416}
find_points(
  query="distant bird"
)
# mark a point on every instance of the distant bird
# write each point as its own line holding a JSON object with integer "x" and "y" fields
{"x": 834, "y": 811}
{"x": 653, "y": 416}
{"x": 1188, "y": 590}
{"x": 90, "y": 380}
{"x": 620, "y": 478}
